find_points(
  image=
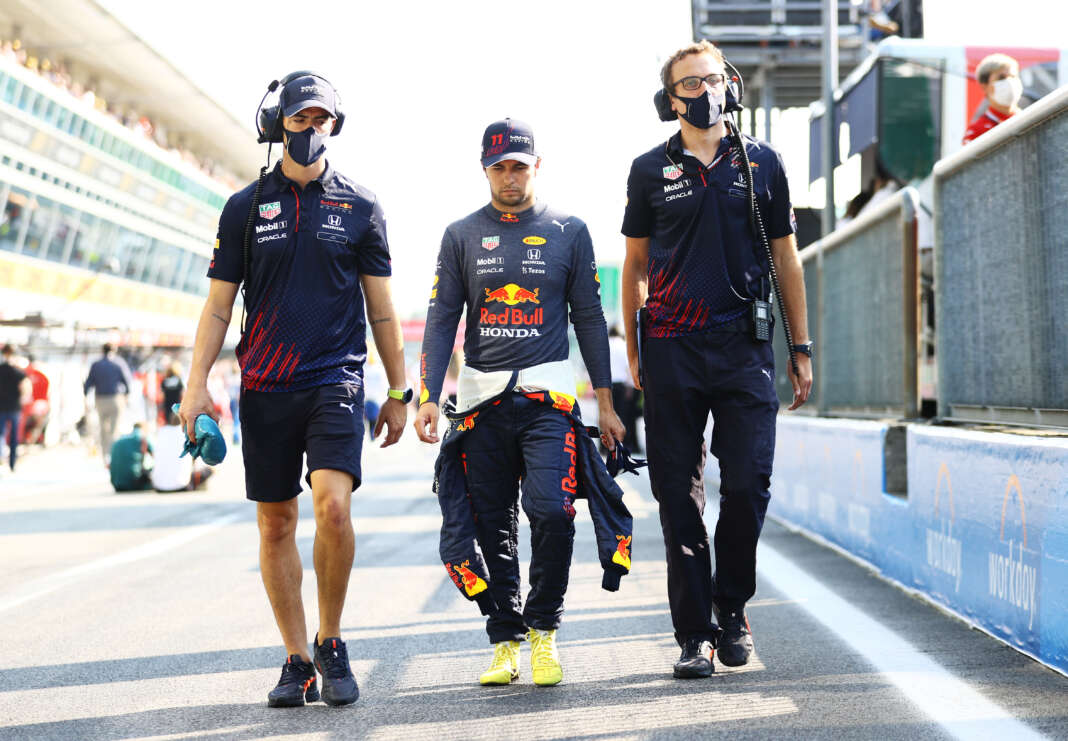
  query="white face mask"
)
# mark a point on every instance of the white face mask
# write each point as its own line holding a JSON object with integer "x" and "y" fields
{"x": 1007, "y": 92}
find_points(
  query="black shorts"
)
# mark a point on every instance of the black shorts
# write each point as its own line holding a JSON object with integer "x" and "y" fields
{"x": 278, "y": 427}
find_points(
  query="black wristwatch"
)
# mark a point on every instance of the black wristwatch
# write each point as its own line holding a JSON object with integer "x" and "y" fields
{"x": 404, "y": 396}
{"x": 804, "y": 349}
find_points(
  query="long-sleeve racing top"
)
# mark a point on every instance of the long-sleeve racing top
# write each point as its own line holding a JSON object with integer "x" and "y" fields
{"x": 516, "y": 274}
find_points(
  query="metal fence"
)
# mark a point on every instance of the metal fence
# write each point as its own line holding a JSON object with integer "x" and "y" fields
{"x": 1001, "y": 271}
{"x": 862, "y": 288}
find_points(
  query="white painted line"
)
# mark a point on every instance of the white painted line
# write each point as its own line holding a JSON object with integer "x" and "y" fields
{"x": 48, "y": 584}
{"x": 963, "y": 712}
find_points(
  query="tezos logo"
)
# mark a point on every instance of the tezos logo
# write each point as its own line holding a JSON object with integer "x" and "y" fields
{"x": 270, "y": 210}
{"x": 673, "y": 172}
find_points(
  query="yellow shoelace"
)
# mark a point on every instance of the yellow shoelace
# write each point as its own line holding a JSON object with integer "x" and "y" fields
{"x": 542, "y": 649}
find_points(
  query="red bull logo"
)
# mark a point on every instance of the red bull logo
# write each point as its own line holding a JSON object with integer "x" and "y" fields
{"x": 511, "y": 294}
{"x": 467, "y": 423}
{"x": 563, "y": 402}
{"x": 622, "y": 554}
{"x": 466, "y": 579}
{"x": 569, "y": 483}
{"x": 512, "y": 317}
{"x": 509, "y": 218}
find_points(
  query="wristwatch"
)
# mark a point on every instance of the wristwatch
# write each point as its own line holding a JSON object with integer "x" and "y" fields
{"x": 402, "y": 395}
{"x": 804, "y": 348}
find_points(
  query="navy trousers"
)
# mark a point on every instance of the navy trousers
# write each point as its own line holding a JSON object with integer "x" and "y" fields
{"x": 523, "y": 439}
{"x": 732, "y": 376}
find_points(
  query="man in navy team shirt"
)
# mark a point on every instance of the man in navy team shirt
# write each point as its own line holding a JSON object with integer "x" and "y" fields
{"x": 693, "y": 260}
{"x": 318, "y": 252}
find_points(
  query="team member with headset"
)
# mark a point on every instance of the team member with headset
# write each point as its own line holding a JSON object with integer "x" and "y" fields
{"x": 308, "y": 246}
{"x": 703, "y": 263}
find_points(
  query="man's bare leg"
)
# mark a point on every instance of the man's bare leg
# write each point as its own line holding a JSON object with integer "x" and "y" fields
{"x": 334, "y": 545}
{"x": 282, "y": 572}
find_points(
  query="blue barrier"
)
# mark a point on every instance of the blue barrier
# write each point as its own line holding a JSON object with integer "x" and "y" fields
{"x": 983, "y": 530}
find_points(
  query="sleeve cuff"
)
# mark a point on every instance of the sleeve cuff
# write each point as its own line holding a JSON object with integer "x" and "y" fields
{"x": 610, "y": 580}
{"x": 486, "y": 604}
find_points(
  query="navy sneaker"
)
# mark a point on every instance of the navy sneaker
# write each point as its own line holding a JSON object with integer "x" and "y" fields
{"x": 735, "y": 642}
{"x": 296, "y": 685}
{"x": 332, "y": 661}
{"x": 695, "y": 661}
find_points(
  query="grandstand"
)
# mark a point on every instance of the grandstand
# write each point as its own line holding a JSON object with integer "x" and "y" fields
{"x": 113, "y": 170}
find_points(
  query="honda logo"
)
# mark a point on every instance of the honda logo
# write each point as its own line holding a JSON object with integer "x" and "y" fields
{"x": 533, "y": 254}
{"x": 333, "y": 220}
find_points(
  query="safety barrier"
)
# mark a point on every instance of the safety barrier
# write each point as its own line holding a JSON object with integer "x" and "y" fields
{"x": 1001, "y": 271}
{"x": 983, "y": 531}
{"x": 862, "y": 288}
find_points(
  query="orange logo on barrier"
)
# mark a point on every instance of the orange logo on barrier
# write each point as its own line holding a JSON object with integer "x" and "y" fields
{"x": 472, "y": 582}
{"x": 943, "y": 473}
{"x": 622, "y": 554}
{"x": 511, "y": 294}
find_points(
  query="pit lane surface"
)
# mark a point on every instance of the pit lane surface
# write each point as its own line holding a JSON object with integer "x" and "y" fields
{"x": 143, "y": 616}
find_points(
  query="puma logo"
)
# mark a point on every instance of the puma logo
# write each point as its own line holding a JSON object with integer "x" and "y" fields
{"x": 766, "y": 372}
{"x": 561, "y": 225}
{"x": 347, "y": 406}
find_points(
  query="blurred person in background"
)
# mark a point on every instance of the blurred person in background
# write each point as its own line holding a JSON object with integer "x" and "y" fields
{"x": 999, "y": 76}
{"x": 15, "y": 388}
{"x": 233, "y": 390}
{"x": 173, "y": 471}
{"x": 131, "y": 461}
{"x": 375, "y": 388}
{"x": 36, "y": 410}
{"x": 624, "y": 395}
{"x": 171, "y": 388}
{"x": 109, "y": 379}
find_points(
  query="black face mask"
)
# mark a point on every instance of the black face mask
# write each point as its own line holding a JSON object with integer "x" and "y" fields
{"x": 704, "y": 111}
{"x": 305, "y": 147}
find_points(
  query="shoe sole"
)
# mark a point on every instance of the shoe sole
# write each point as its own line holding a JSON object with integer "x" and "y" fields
{"x": 310, "y": 696}
{"x": 732, "y": 662}
{"x": 551, "y": 683}
{"x": 339, "y": 703}
{"x": 511, "y": 679}
{"x": 693, "y": 673}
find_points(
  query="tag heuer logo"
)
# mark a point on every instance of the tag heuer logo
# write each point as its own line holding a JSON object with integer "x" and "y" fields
{"x": 673, "y": 172}
{"x": 270, "y": 210}
{"x": 490, "y": 243}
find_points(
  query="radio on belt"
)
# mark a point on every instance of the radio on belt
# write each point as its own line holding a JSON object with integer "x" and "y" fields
{"x": 761, "y": 320}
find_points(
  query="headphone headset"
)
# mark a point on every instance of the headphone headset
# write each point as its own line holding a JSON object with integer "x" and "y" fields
{"x": 269, "y": 118}
{"x": 734, "y": 89}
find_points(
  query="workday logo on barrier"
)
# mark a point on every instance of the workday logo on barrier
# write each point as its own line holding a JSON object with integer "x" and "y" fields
{"x": 1012, "y": 576}
{"x": 943, "y": 551}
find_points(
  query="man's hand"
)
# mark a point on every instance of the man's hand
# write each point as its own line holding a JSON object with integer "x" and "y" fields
{"x": 635, "y": 373}
{"x": 394, "y": 415}
{"x": 802, "y": 384}
{"x": 612, "y": 428}
{"x": 196, "y": 401}
{"x": 426, "y": 422}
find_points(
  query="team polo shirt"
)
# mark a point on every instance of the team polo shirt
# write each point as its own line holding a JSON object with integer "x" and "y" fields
{"x": 703, "y": 256}
{"x": 305, "y": 322}
{"x": 517, "y": 275}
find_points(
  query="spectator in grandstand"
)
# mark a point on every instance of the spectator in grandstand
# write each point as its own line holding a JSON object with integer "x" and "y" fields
{"x": 15, "y": 388}
{"x": 319, "y": 250}
{"x": 172, "y": 470}
{"x": 109, "y": 378}
{"x": 999, "y": 76}
{"x": 131, "y": 461}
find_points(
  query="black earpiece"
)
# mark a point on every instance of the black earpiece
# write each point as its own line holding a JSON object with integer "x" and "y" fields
{"x": 269, "y": 118}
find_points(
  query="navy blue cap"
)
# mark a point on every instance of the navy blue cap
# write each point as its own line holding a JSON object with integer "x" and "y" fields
{"x": 308, "y": 91}
{"x": 508, "y": 139}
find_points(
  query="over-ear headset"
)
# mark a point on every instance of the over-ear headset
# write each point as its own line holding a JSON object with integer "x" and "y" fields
{"x": 735, "y": 88}
{"x": 269, "y": 118}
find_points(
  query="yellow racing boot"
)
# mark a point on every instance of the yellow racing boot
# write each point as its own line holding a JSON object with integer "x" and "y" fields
{"x": 505, "y": 666}
{"x": 544, "y": 661}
